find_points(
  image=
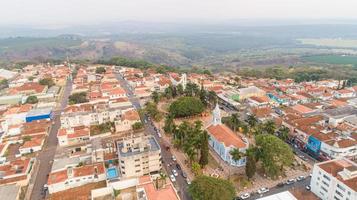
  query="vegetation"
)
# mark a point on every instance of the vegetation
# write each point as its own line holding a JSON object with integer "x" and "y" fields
{"x": 26, "y": 138}
{"x": 137, "y": 125}
{"x": 47, "y": 81}
{"x": 274, "y": 154}
{"x": 80, "y": 97}
{"x": 151, "y": 110}
{"x": 204, "y": 150}
{"x": 210, "y": 188}
{"x": 186, "y": 106}
{"x": 250, "y": 166}
{"x": 4, "y": 83}
{"x": 196, "y": 168}
{"x": 32, "y": 100}
{"x": 102, "y": 128}
{"x": 100, "y": 70}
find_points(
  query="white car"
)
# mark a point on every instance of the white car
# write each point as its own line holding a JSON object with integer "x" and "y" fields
{"x": 308, "y": 187}
{"x": 172, "y": 178}
{"x": 188, "y": 181}
{"x": 174, "y": 172}
{"x": 300, "y": 178}
{"x": 173, "y": 158}
{"x": 263, "y": 190}
{"x": 244, "y": 196}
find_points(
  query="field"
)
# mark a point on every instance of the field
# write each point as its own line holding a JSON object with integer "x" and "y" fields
{"x": 332, "y": 59}
{"x": 339, "y": 43}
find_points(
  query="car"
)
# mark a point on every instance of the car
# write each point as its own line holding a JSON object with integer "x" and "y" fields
{"x": 174, "y": 172}
{"x": 188, "y": 181}
{"x": 173, "y": 158}
{"x": 172, "y": 178}
{"x": 184, "y": 174}
{"x": 308, "y": 187}
{"x": 310, "y": 175}
{"x": 300, "y": 178}
{"x": 280, "y": 185}
{"x": 290, "y": 181}
{"x": 178, "y": 166}
{"x": 244, "y": 196}
{"x": 263, "y": 190}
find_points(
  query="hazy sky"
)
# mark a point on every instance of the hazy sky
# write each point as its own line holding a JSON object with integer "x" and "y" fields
{"x": 64, "y": 12}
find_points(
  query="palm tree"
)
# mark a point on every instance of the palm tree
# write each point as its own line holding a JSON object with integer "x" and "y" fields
{"x": 235, "y": 121}
{"x": 236, "y": 154}
{"x": 284, "y": 133}
{"x": 252, "y": 121}
{"x": 269, "y": 127}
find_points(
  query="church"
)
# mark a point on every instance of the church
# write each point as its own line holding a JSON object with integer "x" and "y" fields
{"x": 223, "y": 140}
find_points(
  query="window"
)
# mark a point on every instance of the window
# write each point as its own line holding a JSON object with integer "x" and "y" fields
{"x": 325, "y": 183}
{"x": 137, "y": 171}
{"x": 324, "y": 189}
{"x": 336, "y": 198}
{"x": 137, "y": 165}
{"x": 339, "y": 193}
{"x": 326, "y": 177}
{"x": 137, "y": 160}
{"x": 340, "y": 187}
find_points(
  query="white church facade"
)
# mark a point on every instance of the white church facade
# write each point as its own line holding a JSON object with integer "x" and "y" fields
{"x": 223, "y": 140}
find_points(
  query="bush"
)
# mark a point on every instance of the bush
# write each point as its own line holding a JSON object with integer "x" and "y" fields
{"x": 47, "y": 81}
{"x": 137, "y": 125}
{"x": 186, "y": 106}
{"x": 80, "y": 97}
{"x": 100, "y": 70}
{"x": 210, "y": 188}
{"x": 32, "y": 100}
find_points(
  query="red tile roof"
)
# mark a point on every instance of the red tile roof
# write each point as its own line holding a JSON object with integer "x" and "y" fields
{"x": 225, "y": 135}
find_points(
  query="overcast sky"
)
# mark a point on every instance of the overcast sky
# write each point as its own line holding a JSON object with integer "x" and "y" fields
{"x": 69, "y": 12}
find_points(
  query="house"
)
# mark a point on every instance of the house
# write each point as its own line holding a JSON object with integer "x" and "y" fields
{"x": 126, "y": 121}
{"x": 16, "y": 171}
{"x": 223, "y": 140}
{"x": 344, "y": 93}
{"x": 72, "y": 136}
{"x": 75, "y": 176}
{"x": 32, "y": 145}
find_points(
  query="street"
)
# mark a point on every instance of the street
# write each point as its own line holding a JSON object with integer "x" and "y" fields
{"x": 46, "y": 156}
{"x": 166, "y": 155}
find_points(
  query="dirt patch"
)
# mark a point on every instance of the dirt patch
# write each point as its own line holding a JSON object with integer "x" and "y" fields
{"x": 80, "y": 193}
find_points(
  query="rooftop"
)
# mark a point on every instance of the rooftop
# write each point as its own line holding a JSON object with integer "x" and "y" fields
{"x": 135, "y": 146}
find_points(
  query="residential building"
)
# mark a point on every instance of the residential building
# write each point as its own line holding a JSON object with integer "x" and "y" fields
{"x": 335, "y": 179}
{"x": 139, "y": 156}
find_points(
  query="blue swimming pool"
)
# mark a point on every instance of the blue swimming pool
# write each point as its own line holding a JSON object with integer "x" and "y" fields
{"x": 112, "y": 173}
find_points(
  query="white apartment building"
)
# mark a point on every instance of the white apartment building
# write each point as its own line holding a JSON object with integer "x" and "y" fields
{"x": 139, "y": 156}
{"x": 335, "y": 180}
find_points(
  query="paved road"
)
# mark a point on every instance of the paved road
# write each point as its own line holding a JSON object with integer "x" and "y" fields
{"x": 47, "y": 154}
{"x": 166, "y": 156}
{"x": 275, "y": 190}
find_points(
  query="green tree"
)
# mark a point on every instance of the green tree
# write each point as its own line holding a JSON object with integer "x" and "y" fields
{"x": 192, "y": 89}
{"x": 47, "y": 81}
{"x": 186, "y": 106}
{"x": 283, "y": 133}
{"x": 210, "y": 188}
{"x": 204, "y": 150}
{"x": 169, "y": 124}
{"x": 236, "y": 154}
{"x": 100, "y": 70}
{"x": 179, "y": 89}
{"x": 196, "y": 168}
{"x": 250, "y": 166}
{"x": 80, "y": 97}
{"x": 32, "y": 100}
{"x": 152, "y": 111}
{"x": 274, "y": 154}
{"x": 155, "y": 97}
{"x": 269, "y": 127}
{"x": 212, "y": 98}
{"x": 252, "y": 121}
{"x": 137, "y": 125}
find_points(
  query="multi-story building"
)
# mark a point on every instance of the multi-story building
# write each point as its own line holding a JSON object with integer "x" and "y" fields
{"x": 335, "y": 179}
{"x": 139, "y": 156}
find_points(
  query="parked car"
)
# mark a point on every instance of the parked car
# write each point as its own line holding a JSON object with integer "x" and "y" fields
{"x": 184, "y": 174}
{"x": 173, "y": 158}
{"x": 263, "y": 190}
{"x": 172, "y": 178}
{"x": 244, "y": 196}
{"x": 280, "y": 185}
{"x": 174, "y": 172}
{"x": 290, "y": 181}
{"x": 300, "y": 178}
{"x": 188, "y": 181}
{"x": 308, "y": 187}
{"x": 178, "y": 166}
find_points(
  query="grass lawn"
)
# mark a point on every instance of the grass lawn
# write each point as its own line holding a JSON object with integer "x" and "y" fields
{"x": 332, "y": 59}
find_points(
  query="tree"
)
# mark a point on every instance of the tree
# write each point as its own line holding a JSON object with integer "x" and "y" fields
{"x": 192, "y": 89}
{"x": 32, "y": 100}
{"x": 186, "y": 106}
{"x": 169, "y": 124}
{"x": 203, "y": 96}
{"x": 210, "y": 188}
{"x": 252, "y": 121}
{"x": 152, "y": 111}
{"x": 100, "y": 70}
{"x": 250, "y": 166}
{"x": 137, "y": 125}
{"x": 47, "y": 81}
{"x": 80, "y": 97}
{"x": 236, "y": 154}
{"x": 155, "y": 97}
{"x": 179, "y": 89}
{"x": 212, "y": 98}
{"x": 283, "y": 133}
{"x": 235, "y": 121}
{"x": 274, "y": 154}
{"x": 196, "y": 168}
{"x": 269, "y": 127}
{"x": 204, "y": 150}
